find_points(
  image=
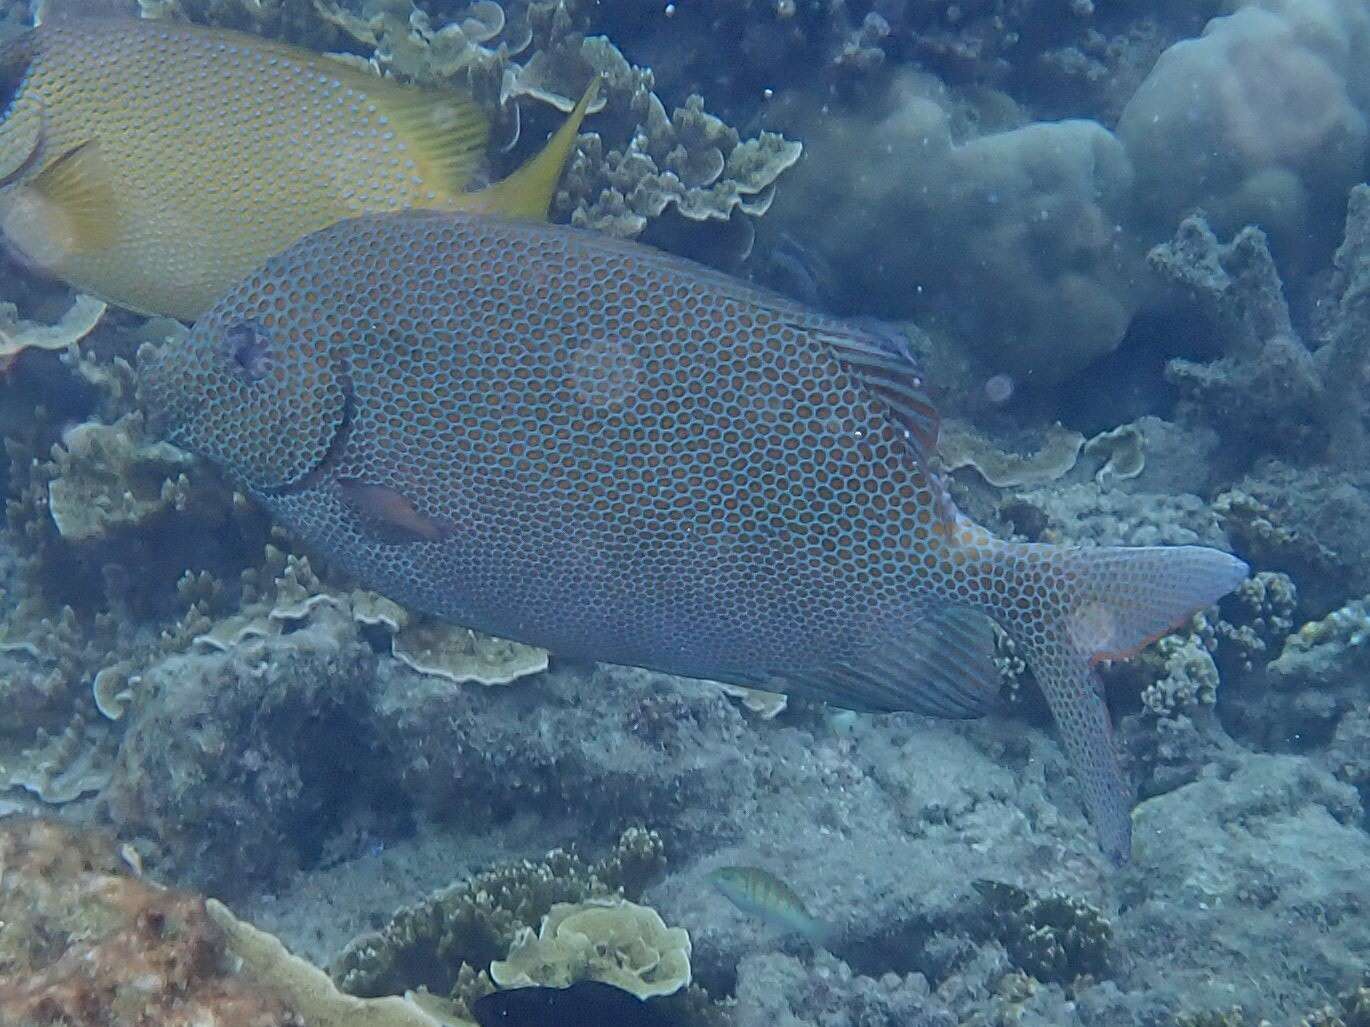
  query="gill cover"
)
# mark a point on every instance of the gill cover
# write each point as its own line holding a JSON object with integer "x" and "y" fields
{"x": 264, "y": 405}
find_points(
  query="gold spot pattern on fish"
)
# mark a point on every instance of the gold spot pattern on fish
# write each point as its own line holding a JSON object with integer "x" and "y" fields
{"x": 638, "y": 460}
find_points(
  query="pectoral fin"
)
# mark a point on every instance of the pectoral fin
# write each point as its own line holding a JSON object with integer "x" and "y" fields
{"x": 77, "y": 211}
{"x": 390, "y": 514}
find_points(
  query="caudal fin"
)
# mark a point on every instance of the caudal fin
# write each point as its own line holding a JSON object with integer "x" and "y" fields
{"x": 527, "y": 193}
{"x": 1067, "y": 609}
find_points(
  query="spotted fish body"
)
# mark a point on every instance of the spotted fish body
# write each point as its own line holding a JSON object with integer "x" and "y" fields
{"x": 594, "y": 447}
{"x": 154, "y": 164}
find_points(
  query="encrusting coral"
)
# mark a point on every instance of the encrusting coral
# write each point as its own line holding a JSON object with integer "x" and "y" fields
{"x": 84, "y": 942}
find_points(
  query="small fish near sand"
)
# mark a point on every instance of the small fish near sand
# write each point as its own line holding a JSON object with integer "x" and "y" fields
{"x": 588, "y": 445}
{"x": 154, "y": 164}
{"x": 759, "y": 893}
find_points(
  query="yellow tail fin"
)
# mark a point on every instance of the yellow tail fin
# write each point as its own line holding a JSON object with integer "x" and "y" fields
{"x": 527, "y": 193}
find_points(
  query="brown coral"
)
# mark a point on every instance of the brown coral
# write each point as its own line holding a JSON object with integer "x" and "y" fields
{"x": 86, "y": 943}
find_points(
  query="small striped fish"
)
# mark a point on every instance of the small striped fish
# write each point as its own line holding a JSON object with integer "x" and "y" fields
{"x": 761, "y": 894}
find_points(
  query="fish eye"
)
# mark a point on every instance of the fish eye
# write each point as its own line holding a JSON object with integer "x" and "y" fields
{"x": 249, "y": 347}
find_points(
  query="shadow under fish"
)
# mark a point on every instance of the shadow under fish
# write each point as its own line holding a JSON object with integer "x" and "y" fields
{"x": 583, "y": 1004}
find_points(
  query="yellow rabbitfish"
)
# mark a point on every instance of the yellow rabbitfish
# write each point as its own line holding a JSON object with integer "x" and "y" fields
{"x": 155, "y": 164}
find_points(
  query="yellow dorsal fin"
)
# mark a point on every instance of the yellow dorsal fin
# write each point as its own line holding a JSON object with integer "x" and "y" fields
{"x": 527, "y": 193}
{"x": 78, "y": 189}
{"x": 450, "y": 131}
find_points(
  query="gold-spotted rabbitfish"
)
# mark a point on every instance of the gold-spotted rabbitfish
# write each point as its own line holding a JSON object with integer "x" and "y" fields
{"x": 154, "y": 164}
{"x": 591, "y": 446}
{"x": 759, "y": 893}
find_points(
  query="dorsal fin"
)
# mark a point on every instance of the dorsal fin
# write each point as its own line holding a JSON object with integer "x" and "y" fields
{"x": 447, "y": 126}
{"x": 880, "y": 359}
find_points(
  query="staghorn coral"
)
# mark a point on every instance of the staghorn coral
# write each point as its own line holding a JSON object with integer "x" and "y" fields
{"x": 445, "y": 942}
{"x": 1052, "y": 938}
{"x": 609, "y": 940}
{"x": 1266, "y": 388}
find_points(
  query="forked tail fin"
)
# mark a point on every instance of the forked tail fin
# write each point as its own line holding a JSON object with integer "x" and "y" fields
{"x": 1067, "y": 609}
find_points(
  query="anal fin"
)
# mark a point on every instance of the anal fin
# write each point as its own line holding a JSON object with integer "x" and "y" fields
{"x": 940, "y": 665}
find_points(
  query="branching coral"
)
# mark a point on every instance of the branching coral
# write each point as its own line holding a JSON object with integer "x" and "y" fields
{"x": 445, "y": 942}
{"x": 1053, "y": 938}
{"x": 1267, "y": 385}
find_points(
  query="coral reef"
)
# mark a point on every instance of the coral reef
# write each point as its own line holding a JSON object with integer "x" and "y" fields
{"x": 778, "y": 989}
{"x": 1033, "y": 210}
{"x": 237, "y": 762}
{"x": 18, "y": 334}
{"x": 1266, "y": 387}
{"x": 1052, "y": 938}
{"x": 1262, "y": 119}
{"x": 610, "y": 940}
{"x": 87, "y": 943}
{"x": 446, "y": 943}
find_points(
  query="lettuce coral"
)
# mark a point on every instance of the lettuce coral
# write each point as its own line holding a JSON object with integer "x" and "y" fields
{"x": 473, "y": 922}
{"x": 609, "y": 940}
